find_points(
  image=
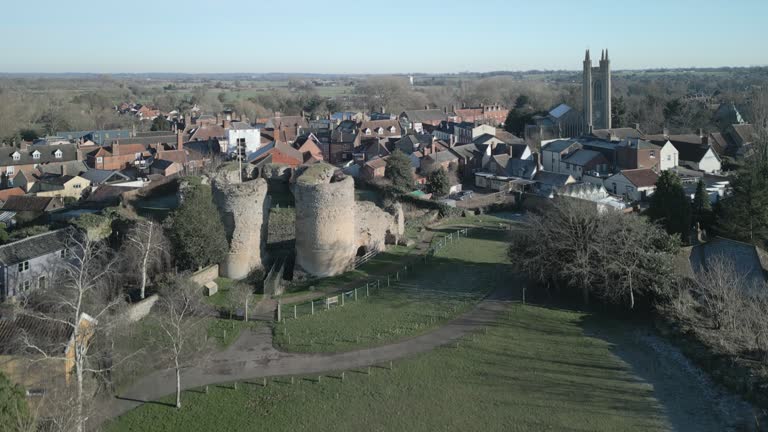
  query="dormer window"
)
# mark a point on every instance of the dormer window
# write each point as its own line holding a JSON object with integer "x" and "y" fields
{"x": 58, "y": 154}
{"x": 367, "y": 131}
{"x": 380, "y": 130}
{"x": 391, "y": 129}
{"x": 16, "y": 156}
{"x": 36, "y": 154}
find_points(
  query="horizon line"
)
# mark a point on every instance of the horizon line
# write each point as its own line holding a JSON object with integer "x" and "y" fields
{"x": 383, "y": 74}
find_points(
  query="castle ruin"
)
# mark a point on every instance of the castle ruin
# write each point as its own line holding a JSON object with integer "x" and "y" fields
{"x": 331, "y": 228}
{"x": 244, "y": 208}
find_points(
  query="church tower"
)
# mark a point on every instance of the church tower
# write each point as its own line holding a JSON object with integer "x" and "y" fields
{"x": 596, "y": 89}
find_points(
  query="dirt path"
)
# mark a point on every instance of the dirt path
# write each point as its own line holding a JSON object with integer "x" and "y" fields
{"x": 691, "y": 401}
{"x": 253, "y": 356}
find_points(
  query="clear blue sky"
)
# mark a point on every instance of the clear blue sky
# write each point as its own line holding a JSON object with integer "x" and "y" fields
{"x": 392, "y": 36}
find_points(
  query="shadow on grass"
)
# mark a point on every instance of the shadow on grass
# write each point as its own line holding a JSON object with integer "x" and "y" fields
{"x": 151, "y": 402}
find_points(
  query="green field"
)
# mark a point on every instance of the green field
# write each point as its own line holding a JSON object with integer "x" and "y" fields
{"x": 535, "y": 370}
{"x": 423, "y": 299}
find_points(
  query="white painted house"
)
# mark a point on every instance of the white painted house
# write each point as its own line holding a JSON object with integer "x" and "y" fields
{"x": 241, "y": 135}
{"x": 670, "y": 157}
{"x": 635, "y": 185}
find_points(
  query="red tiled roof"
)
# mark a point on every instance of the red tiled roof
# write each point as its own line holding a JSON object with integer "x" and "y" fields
{"x": 7, "y": 193}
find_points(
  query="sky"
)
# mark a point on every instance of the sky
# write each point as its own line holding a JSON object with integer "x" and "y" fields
{"x": 381, "y": 37}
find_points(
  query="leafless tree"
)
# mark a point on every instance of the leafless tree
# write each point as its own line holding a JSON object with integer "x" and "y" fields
{"x": 721, "y": 289}
{"x": 611, "y": 255}
{"x": 242, "y": 294}
{"x": 147, "y": 249}
{"x": 180, "y": 313}
{"x": 82, "y": 304}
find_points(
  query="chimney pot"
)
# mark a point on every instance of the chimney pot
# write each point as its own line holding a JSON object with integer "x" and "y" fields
{"x": 426, "y": 107}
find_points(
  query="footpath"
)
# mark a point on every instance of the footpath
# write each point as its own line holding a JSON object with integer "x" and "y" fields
{"x": 252, "y": 356}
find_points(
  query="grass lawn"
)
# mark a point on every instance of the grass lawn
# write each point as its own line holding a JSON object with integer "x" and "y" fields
{"x": 422, "y": 300}
{"x": 533, "y": 371}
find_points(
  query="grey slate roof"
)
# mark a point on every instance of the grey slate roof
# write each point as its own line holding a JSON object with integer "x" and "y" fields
{"x": 47, "y": 154}
{"x": 558, "y": 146}
{"x": 551, "y": 178}
{"x": 74, "y": 167}
{"x": 747, "y": 259}
{"x": 33, "y": 247}
{"x": 425, "y": 116}
{"x": 98, "y": 176}
{"x": 582, "y": 157}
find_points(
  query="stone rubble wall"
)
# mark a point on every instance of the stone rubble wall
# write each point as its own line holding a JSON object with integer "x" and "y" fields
{"x": 325, "y": 226}
{"x": 244, "y": 208}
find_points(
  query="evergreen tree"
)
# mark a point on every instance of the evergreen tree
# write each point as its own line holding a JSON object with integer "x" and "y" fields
{"x": 160, "y": 124}
{"x": 702, "y": 207}
{"x": 744, "y": 215}
{"x": 670, "y": 206}
{"x": 399, "y": 171}
{"x": 438, "y": 183}
{"x": 196, "y": 230}
{"x": 14, "y": 413}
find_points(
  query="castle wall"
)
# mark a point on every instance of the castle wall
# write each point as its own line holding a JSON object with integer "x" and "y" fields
{"x": 244, "y": 208}
{"x": 325, "y": 226}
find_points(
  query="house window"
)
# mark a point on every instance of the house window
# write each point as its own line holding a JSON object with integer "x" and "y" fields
{"x": 669, "y": 157}
{"x": 42, "y": 283}
{"x": 36, "y": 155}
{"x": 10, "y": 170}
{"x": 77, "y": 186}
{"x": 16, "y": 156}
{"x": 653, "y": 153}
{"x": 137, "y": 155}
{"x": 26, "y": 285}
{"x": 99, "y": 159}
{"x": 64, "y": 253}
{"x": 23, "y": 266}
{"x": 630, "y": 189}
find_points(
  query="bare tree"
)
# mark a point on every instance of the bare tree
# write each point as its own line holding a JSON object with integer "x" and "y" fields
{"x": 180, "y": 314}
{"x": 82, "y": 305}
{"x": 148, "y": 248}
{"x": 721, "y": 289}
{"x": 242, "y": 294}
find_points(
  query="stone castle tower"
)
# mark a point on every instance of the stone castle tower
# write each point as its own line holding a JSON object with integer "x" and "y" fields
{"x": 596, "y": 89}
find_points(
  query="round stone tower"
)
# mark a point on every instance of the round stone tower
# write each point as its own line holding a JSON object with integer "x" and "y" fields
{"x": 244, "y": 208}
{"x": 325, "y": 221}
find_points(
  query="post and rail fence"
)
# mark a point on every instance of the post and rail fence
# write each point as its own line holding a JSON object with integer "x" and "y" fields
{"x": 371, "y": 287}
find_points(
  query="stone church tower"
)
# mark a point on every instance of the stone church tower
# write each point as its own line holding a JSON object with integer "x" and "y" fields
{"x": 596, "y": 89}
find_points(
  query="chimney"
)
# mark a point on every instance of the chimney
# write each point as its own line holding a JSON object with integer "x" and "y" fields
{"x": 701, "y": 133}
{"x": 218, "y": 118}
{"x": 445, "y": 110}
{"x": 382, "y": 109}
{"x": 453, "y": 108}
{"x": 116, "y": 148}
{"x": 226, "y": 123}
{"x": 426, "y": 107}
{"x": 637, "y": 126}
{"x": 665, "y": 132}
{"x": 179, "y": 140}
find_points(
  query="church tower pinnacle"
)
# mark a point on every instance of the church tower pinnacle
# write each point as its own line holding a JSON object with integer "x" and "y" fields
{"x": 596, "y": 89}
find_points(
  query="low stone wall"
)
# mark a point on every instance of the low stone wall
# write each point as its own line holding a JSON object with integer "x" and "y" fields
{"x": 137, "y": 311}
{"x": 208, "y": 274}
